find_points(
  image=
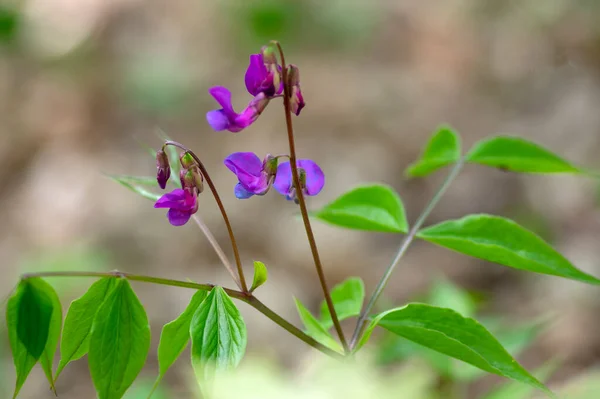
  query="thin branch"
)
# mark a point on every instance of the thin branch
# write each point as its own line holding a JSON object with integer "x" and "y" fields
{"x": 408, "y": 239}
{"x": 309, "y": 232}
{"x": 215, "y": 193}
{"x": 215, "y": 244}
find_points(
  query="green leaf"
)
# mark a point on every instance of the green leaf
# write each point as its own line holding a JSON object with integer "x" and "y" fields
{"x": 347, "y": 298}
{"x": 518, "y": 155}
{"x": 78, "y": 323}
{"x": 445, "y": 294}
{"x": 442, "y": 150}
{"x": 218, "y": 335}
{"x": 372, "y": 208}
{"x": 119, "y": 342}
{"x": 503, "y": 241}
{"x": 447, "y": 332}
{"x": 315, "y": 329}
{"x": 136, "y": 188}
{"x": 176, "y": 335}
{"x": 260, "y": 275}
{"x": 47, "y": 358}
{"x": 513, "y": 390}
{"x": 30, "y": 315}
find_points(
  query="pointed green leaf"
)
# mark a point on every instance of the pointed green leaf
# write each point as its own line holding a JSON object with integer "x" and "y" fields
{"x": 78, "y": 323}
{"x": 518, "y": 155}
{"x": 218, "y": 335}
{"x": 503, "y": 241}
{"x": 29, "y": 315}
{"x": 442, "y": 150}
{"x": 446, "y": 294}
{"x": 372, "y": 208}
{"x": 462, "y": 338}
{"x": 47, "y": 358}
{"x": 136, "y": 188}
{"x": 513, "y": 390}
{"x": 315, "y": 329}
{"x": 176, "y": 335}
{"x": 260, "y": 275}
{"x": 119, "y": 342}
{"x": 347, "y": 298}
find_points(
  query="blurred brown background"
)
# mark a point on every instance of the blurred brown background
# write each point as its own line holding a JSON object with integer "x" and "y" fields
{"x": 84, "y": 82}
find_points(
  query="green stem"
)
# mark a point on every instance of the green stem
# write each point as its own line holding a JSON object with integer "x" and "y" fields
{"x": 300, "y": 195}
{"x": 215, "y": 193}
{"x": 244, "y": 297}
{"x": 408, "y": 239}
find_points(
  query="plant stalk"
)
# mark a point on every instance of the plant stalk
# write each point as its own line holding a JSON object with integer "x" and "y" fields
{"x": 215, "y": 193}
{"x": 242, "y": 296}
{"x": 408, "y": 239}
{"x": 300, "y": 195}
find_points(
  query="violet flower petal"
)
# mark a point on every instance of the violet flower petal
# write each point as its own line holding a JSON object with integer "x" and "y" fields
{"x": 241, "y": 193}
{"x": 283, "y": 179}
{"x": 223, "y": 97}
{"x": 177, "y": 217}
{"x": 315, "y": 178}
{"x": 217, "y": 119}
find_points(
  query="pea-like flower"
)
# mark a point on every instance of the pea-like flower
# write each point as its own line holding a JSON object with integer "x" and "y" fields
{"x": 263, "y": 75}
{"x": 182, "y": 205}
{"x": 312, "y": 179}
{"x": 254, "y": 176}
{"x": 296, "y": 99}
{"x": 163, "y": 170}
{"x": 226, "y": 118}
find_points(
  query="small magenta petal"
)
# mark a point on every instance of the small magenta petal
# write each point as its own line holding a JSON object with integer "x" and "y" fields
{"x": 315, "y": 178}
{"x": 283, "y": 178}
{"x": 255, "y": 74}
{"x": 223, "y": 97}
{"x": 218, "y": 120}
{"x": 177, "y": 217}
{"x": 172, "y": 199}
{"x": 241, "y": 193}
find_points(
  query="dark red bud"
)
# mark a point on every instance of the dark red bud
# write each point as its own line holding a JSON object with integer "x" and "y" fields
{"x": 163, "y": 170}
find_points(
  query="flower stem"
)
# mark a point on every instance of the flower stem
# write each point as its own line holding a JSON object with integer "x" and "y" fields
{"x": 215, "y": 244}
{"x": 242, "y": 296}
{"x": 302, "y": 203}
{"x": 215, "y": 193}
{"x": 408, "y": 239}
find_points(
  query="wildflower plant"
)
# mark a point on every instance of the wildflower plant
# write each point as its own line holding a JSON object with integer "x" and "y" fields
{"x": 110, "y": 325}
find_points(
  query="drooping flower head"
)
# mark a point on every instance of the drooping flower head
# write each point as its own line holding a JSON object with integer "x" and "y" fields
{"x": 264, "y": 74}
{"x": 254, "y": 176}
{"x": 163, "y": 170}
{"x": 312, "y": 179}
{"x": 296, "y": 99}
{"x": 226, "y": 118}
{"x": 182, "y": 205}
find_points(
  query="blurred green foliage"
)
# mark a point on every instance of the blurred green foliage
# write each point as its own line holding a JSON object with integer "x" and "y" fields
{"x": 9, "y": 23}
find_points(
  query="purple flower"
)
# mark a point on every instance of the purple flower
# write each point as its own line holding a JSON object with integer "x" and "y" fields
{"x": 182, "y": 205}
{"x": 263, "y": 77}
{"x": 312, "y": 179}
{"x": 226, "y": 118}
{"x": 254, "y": 175}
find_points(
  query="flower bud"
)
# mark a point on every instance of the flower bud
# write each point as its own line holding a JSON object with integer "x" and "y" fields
{"x": 270, "y": 165}
{"x": 187, "y": 160}
{"x": 163, "y": 171}
{"x": 293, "y": 81}
{"x": 269, "y": 54}
{"x": 191, "y": 179}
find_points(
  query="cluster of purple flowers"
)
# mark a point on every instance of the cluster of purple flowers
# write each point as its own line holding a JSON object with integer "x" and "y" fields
{"x": 255, "y": 177}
